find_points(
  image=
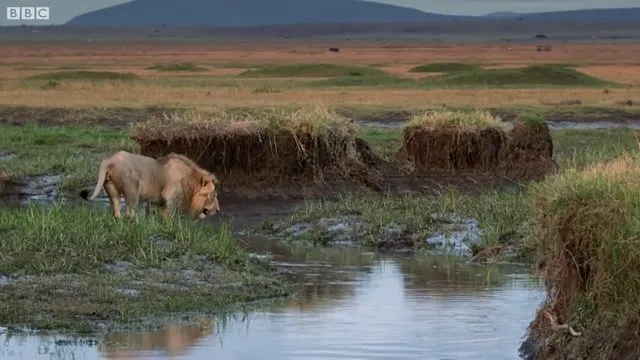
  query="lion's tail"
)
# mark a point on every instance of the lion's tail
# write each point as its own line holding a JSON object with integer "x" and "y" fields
{"x": 102, "y": 175}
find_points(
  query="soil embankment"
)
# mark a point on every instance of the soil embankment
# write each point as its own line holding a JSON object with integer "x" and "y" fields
{"x": 586, "y": 223}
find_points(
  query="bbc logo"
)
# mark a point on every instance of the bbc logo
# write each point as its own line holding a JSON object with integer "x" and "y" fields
{"x": 27, "y": 13}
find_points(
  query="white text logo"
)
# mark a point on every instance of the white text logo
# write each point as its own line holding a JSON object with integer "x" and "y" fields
{"x": 27, "y": 13}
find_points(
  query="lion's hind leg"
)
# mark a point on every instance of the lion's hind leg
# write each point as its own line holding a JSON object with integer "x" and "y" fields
{"x": 132, "y": 197}
{"x": 114, "y": 197}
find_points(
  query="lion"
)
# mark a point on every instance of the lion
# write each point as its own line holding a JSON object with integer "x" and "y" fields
{"x": 167, "y": 182}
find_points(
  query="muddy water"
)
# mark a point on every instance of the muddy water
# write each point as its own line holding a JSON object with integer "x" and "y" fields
{"x": 353, "y": 305}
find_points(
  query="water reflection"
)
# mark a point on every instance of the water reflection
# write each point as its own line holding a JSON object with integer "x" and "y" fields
{"x": 355, "y": 305}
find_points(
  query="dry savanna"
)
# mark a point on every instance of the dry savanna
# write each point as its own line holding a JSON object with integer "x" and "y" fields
{"x": 391, "y": 140}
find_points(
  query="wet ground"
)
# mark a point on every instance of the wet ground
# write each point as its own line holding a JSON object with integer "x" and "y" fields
{"x": 354, "y": 305}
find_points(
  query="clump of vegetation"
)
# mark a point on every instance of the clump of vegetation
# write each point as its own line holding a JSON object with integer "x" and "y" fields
{"x": 443, "y": 67}
{"x": 83, "y": 75}
{"x": 370, "y": 80}
{"x": 534, "y": 75}
{"x": 317, "y": 121}
{"x": 502, "y": 218}
{"x": 460, "y": 119}
{"x": 311, "y": 70}
{"x": 585, "y": 223}
{"x": 176, "y": 67}
{"x": 453, "y": 140}
{"x": 276, "y": 145}
{"x": 78, "y": 268}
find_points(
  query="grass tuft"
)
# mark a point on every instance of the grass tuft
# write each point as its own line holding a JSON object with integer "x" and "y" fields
{"x": 176, "y": 67}
{"x": 437, "y": 119}
{"x": 315, "y": 121}
{"x": 84, "y": 75}
{"x": 443, "y": 67}
{"x": 369, "y": 80}
{"x": 587, "y": 233}
{"x": 534, "y": 75}
{"x": 311, "y": 70}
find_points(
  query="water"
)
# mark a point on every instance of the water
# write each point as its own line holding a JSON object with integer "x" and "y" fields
{"x": 355, "y": 305}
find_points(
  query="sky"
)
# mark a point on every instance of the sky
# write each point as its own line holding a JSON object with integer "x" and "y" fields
{"x": 60, "y": 11}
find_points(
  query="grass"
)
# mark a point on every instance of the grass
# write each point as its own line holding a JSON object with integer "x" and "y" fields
{"x": 471, "y": 118}
{"x": 84, "y": 75}
{"x": 443, "y": 67}
{"x": 315, "y": 121}
{"x": 586, "y": 225}
{"x": 385, "y": 80}
{"x": 176, "y": 67}
{"x": 533, "y": 75}
{"x": 72, "y": 151}
{"x": 502, "y": 216}
{"x": 312, "y": 70}
{"x": 113, "y": 272}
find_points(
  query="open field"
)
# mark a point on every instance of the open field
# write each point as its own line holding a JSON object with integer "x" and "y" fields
{"x": 385, "y": 80}
{"x": 426, "y": 166}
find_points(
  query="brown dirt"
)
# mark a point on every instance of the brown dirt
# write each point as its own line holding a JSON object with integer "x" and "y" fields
{"x": 281, "y": 164}
{"x": 527, "y": 153}
{"x": 453, "y": 149}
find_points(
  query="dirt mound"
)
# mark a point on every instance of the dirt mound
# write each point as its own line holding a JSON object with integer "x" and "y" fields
{"x": 586, "y": 232}
{"x": 262, "y": 156}
{"x": 528, "y": 151}
{"x": 477, "y": 142}
{"x": 453, "y": 148}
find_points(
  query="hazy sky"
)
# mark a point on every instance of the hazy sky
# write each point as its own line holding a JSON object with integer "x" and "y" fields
{"x": 63, "y": 10}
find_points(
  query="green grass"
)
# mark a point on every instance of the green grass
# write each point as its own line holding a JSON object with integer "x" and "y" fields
{"x": 84, "y": 75}
{"x": 534, "y": 75}
{"x": 502, "y": 216}
{"x": 367, "y": 80}
{"x": 444, "y": 67}
{"x": 384, "y": 142}
{"x": 311, "y": 70}
{"x": 586, "y": 227}
{"x": 58, "y": 255}
{"x": 72, "y": 151}
{"x": 176, "y": 67}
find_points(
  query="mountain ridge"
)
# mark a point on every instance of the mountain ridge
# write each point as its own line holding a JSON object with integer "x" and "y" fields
{"x": 241, "y": 13}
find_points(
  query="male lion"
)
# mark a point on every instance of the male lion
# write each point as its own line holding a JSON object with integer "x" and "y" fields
{"x": 166, "y": 182}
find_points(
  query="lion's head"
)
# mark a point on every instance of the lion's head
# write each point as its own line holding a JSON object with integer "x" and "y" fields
{"x": 204, "y": 199}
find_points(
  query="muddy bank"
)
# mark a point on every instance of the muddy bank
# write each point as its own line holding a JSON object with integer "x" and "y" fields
{"x": 584, "y": 222}
{"x": 522, "y": 153}
{"x": 449, "y": 234}
{"x": 79, "y": 270}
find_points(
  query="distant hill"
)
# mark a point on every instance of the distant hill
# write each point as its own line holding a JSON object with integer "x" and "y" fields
{"x": 251, "y": 13}
{"x": 590, "y": 15}
{"x": 502, "y": 14}
{"x": 293, "y": 12}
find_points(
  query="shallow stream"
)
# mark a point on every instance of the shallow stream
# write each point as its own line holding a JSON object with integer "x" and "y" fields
{"x": 355, "y": 305}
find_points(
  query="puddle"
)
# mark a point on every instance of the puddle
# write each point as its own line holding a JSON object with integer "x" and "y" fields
{"x": 354, "y": 305}
{"x": 34, "y": 188}
{"x": 592, "y": 125}
{"x": 454, "y": 235}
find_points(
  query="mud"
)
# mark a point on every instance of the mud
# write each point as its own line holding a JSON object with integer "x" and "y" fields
{"x": 451, "y": 234}
{"x": 45, "y": 187}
